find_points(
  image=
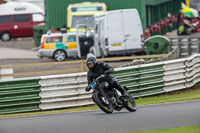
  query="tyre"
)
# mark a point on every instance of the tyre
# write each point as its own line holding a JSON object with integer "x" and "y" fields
{"x": 103, "y": 104}
{"x": 92, "y": 51}
{"x": 5, "y": 36}
{"x": 143, "y": 53}
{"x": 60, "y": 55}
{"x": 188, "y": 31}
{"x": 102, "y": 54}
{"x": 131, "y": 105}
{"x": 140, "y": 53}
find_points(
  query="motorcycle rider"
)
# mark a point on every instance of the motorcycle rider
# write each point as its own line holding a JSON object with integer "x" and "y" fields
{"x": 97, "y": 69}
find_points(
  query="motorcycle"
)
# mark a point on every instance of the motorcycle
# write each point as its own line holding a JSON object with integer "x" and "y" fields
{"x": 185, "y": 28}
{"x": 189, "y": 26}
{"x": 196, "y": 25}
{"x": 113, "y": 99}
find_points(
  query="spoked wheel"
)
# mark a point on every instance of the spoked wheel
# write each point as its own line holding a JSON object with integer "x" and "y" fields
{"x": 102, "y": 103}
{"x": 131, "y": 104}
{"x": 59, "y": 55}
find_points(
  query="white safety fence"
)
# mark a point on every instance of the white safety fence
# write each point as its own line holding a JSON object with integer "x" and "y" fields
{"x": 192, "y": 70}
{"x": 62, "y": 91}
{"x": 182, "y": 73}
{"x": 174, "y": 75}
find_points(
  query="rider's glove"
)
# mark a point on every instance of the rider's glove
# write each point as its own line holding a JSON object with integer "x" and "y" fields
{"x": 88, "y": 88}
{"x": 107, "y": 72}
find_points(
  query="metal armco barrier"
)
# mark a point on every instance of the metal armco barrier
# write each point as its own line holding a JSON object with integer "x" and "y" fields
{"x": 192, "y": 71}
{"x": 64, "y": 91}
{"x": 68, "y": 90}
{"x": 186, "y": 46}
{"x": 174, "y": 75}
{"x": 142, "y": 80}
{"x": 19, "y": 95}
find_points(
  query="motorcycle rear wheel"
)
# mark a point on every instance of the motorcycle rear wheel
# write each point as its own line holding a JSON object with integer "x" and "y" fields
{"x": 104, "y": 105}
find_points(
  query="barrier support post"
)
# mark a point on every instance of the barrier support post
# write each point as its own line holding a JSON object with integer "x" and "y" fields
{"x": 82, "y": 65}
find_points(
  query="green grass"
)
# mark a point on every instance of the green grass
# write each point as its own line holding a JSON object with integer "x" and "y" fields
{"x": 183, "y": 96}
{"x": 192, "y": 129}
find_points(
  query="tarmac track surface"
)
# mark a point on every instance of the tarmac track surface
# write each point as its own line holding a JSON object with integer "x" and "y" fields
{"x": 145, "y": 118}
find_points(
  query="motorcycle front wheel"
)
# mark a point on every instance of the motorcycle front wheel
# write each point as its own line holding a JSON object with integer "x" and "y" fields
{"x": 131, "y": 104}
{"x": 102, "y": 103}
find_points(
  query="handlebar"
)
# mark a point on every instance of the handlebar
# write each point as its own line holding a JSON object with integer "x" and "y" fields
{"x": 93, "y": 84}
{"x": 102, "y": 76}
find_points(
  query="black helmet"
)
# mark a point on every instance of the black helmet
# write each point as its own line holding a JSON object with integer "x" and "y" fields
{"x": 92, "y": 60}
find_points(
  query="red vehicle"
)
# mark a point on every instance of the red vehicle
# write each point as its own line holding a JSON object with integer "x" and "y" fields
{"x": 196, "y": 25}
{"x": 17, "y": 19}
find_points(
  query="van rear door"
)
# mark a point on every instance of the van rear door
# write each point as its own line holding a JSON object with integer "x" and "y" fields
{"x": 115, "y": 31}
{"x": 132, "y": 29}
{"x": 22, "y": 25}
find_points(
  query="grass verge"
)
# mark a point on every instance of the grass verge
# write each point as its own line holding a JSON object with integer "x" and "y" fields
{"x": 189, "y": 95}
{"x": 192, "y": 129}
{"x": 180, "y": 96}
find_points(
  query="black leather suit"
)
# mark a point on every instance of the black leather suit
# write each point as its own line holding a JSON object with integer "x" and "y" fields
{"x": 103, "y": 68}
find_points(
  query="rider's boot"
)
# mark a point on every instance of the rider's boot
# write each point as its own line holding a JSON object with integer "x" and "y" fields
{"x": 121, "y": 89}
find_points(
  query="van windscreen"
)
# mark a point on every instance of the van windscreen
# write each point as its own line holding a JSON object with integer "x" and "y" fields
{"x": 37, "y": 17}
{"x": 85, "y": 20}
{"x": 4, "y": 19}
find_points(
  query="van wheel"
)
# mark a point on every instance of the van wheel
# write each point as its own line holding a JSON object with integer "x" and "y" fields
{"x": 92, "y": 50}
{"x": 59, "y": 55}
{"x": 102, "y": 54}
{"x": 5, "y": 36}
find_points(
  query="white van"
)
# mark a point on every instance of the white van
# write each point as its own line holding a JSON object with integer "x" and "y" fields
{"x": 118, "y": 32}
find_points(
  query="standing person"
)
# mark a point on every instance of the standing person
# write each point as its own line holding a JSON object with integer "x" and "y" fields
{"x": 51, "y": 30}
{"x": 57, "y": 30}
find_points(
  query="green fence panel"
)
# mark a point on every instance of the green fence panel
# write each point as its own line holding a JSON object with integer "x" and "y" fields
{"x": 152, "y": 92}
{"x": 19, "y": 110}
{"x": 151, "y": 80}
{"x": 129, "y": 78}
{"x": 142, "y": 81}
{"x": 150, "y": 69}
{"x": 19, "y": 95}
